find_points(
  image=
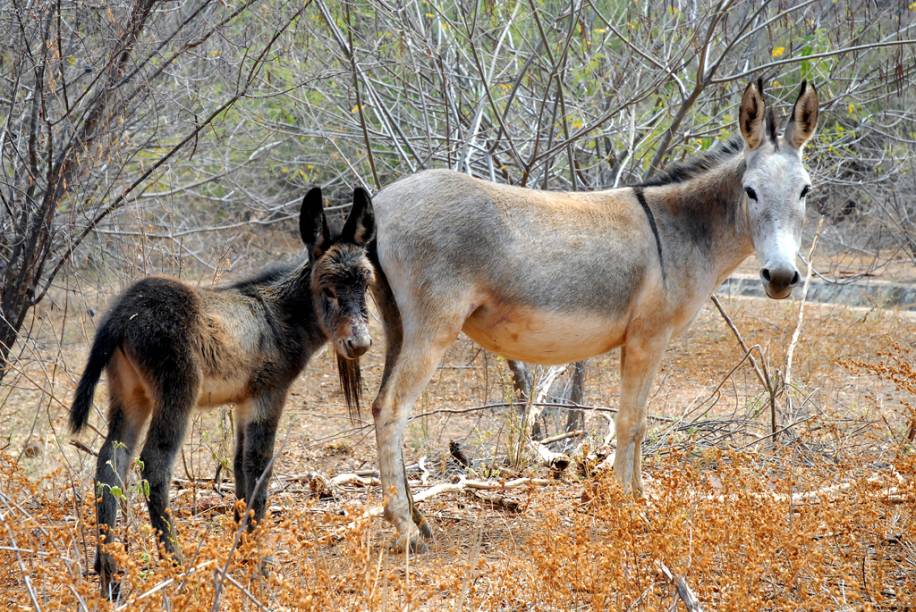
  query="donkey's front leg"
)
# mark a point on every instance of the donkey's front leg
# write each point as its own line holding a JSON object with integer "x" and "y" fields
{"x": 238, "y": 462}
{"x": 639, "y": 361}
{"x": 259, "y": 438}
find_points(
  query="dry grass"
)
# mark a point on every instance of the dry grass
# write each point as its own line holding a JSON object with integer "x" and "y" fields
{"x": 719, "y": 513}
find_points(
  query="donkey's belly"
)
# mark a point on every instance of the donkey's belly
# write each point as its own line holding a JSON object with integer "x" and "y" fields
{"x": 216, "y": 392}
{"x": 543, "y": 336}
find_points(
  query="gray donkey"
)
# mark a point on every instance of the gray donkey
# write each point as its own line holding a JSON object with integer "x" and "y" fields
{"x": 551, "y": 277}
{"x": 169, "y": 347}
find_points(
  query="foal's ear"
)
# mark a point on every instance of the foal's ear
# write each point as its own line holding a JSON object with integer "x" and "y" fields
{"x": 803, "y": 120}
{"x": 313, "y": 226}
{"x": 360, "y": 226}
{"x": 751, "y": 115}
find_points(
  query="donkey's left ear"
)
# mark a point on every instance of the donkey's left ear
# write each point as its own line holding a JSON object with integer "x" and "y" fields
{"x": 313, "y": 225}
{"x": 803, "y": 120}
{"x": 360, "y": 226}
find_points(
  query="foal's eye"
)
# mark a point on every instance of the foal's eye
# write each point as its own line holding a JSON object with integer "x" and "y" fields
{"x": 750, "y": 193}
{"x": 805, "y": 191}
{"x": 329, "y": 293}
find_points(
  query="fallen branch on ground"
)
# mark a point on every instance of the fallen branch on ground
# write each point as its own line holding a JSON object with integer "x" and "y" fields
{"x": 447, "y": 487}
{"x": 683, "y": 591}
{"x": 894, "y": 494}
{"x": 556, "y": 462}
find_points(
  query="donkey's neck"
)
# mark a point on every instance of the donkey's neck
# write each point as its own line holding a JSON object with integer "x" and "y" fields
{"x": 294, "y": 288}
{"x": 705, "y": 221}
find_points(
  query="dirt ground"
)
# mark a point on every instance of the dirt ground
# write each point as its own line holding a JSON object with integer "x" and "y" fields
{"x": 719, "y": 511}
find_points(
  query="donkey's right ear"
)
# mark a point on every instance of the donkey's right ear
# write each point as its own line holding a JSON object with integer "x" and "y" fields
{"x": 751, "y": 115}
{"x": 803, "y": 120}
{"x": 313, "y": 226}
{"x": 360, "y": 226}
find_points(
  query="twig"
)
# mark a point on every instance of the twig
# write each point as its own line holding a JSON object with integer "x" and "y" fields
{"x": 683, "y": 591}
{"x": 165, "y": 583}
{"x": 83, "y": 447}
{"x": 562, "y": 436}
{"x": 763, "y": 373}
{"x": 790, "y": 353}
{"x": 244, "y": 591}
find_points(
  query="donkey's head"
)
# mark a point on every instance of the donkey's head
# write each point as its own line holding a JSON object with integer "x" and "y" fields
{"x": 340, "y": 271}
{"x": 776, "y": 183}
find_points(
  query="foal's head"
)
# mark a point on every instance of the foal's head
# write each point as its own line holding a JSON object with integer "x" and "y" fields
{"x": 776, "y": 183}
{"x": 340, "y": 271}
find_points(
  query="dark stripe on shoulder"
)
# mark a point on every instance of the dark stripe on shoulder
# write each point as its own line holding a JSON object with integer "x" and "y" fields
{"x": 641, "y": 197}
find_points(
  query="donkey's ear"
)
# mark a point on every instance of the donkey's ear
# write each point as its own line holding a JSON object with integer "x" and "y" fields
{"x": 803, "y": 120}
{"x": 360, "y": 226}
{"x": 751, "y": 115}
{"x": 313, "y": 226}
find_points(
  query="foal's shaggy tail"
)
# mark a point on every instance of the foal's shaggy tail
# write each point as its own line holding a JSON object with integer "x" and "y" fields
{"x": 103, "y": 347}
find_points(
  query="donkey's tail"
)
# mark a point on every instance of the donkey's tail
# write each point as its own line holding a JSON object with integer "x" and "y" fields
{"x": 388, "y": 310}
{"x": 103, "y": 347}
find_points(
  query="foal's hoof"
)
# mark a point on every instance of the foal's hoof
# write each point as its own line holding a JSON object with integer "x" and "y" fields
{"x": 412, "y": 543}
{"x": 107, "y": 570}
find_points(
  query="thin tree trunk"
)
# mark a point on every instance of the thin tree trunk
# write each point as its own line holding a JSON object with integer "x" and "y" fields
{"x": 575, "y": 419}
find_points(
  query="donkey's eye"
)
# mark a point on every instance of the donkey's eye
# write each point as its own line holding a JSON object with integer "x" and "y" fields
{"x": 805, "y": 191}
{"x": 329, "y": 293}
{"x": 750, "y": 193}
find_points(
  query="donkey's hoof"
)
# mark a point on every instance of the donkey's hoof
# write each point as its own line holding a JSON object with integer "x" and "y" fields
{"x": 266, "y": 566}
{"x": 413, "y": 543}
{"x": 426, "y": 532}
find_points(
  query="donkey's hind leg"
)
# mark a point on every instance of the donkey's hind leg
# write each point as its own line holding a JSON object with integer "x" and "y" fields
{"x": 166, "y": 434}
{"x": 124, "y": 429}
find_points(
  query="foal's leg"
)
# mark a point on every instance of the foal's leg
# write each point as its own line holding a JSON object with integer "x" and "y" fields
{"x": 238, "y": 461}
{"x": 260, "y": 436}
{"x": 420, "y": 354}
{"x": 124, "y": 429}
{"x": 639, "y": 361}
{"x": 166, "y": 433}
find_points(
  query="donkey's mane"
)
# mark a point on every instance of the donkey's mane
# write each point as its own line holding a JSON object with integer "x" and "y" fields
{"x": 684, "y": 171}
{"x": 267, "y": 276}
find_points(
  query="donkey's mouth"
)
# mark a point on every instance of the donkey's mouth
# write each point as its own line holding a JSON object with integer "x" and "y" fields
{"x": 777, "y": 294}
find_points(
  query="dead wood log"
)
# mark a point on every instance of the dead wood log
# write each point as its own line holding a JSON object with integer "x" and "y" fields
{"x": 497, "y": 501}
{"x": 556, "y": 462}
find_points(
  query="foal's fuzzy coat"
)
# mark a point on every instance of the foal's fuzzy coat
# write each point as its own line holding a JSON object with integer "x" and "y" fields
{"x": 168, "y": 347}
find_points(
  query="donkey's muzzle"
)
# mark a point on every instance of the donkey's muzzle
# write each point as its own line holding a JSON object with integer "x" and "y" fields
{"x": 778, "y": 281}
{"x": 354, "y": 346}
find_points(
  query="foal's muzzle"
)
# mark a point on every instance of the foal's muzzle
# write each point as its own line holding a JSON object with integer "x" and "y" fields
{"x": 354, "y": 346}
{"x": 779, "y": 280}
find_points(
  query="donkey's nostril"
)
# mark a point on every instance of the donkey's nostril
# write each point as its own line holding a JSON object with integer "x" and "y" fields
{"x": 795, "y": 278}
{"x": 765, "y": 273}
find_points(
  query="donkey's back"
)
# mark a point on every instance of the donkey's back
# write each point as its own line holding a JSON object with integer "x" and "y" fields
{"x": 542, "y": 276}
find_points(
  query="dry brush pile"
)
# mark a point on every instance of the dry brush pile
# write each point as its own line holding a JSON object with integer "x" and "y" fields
{"x": 822, "y": 518}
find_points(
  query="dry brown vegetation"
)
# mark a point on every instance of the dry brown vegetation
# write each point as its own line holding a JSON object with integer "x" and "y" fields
{"x": 822, "y": 518}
